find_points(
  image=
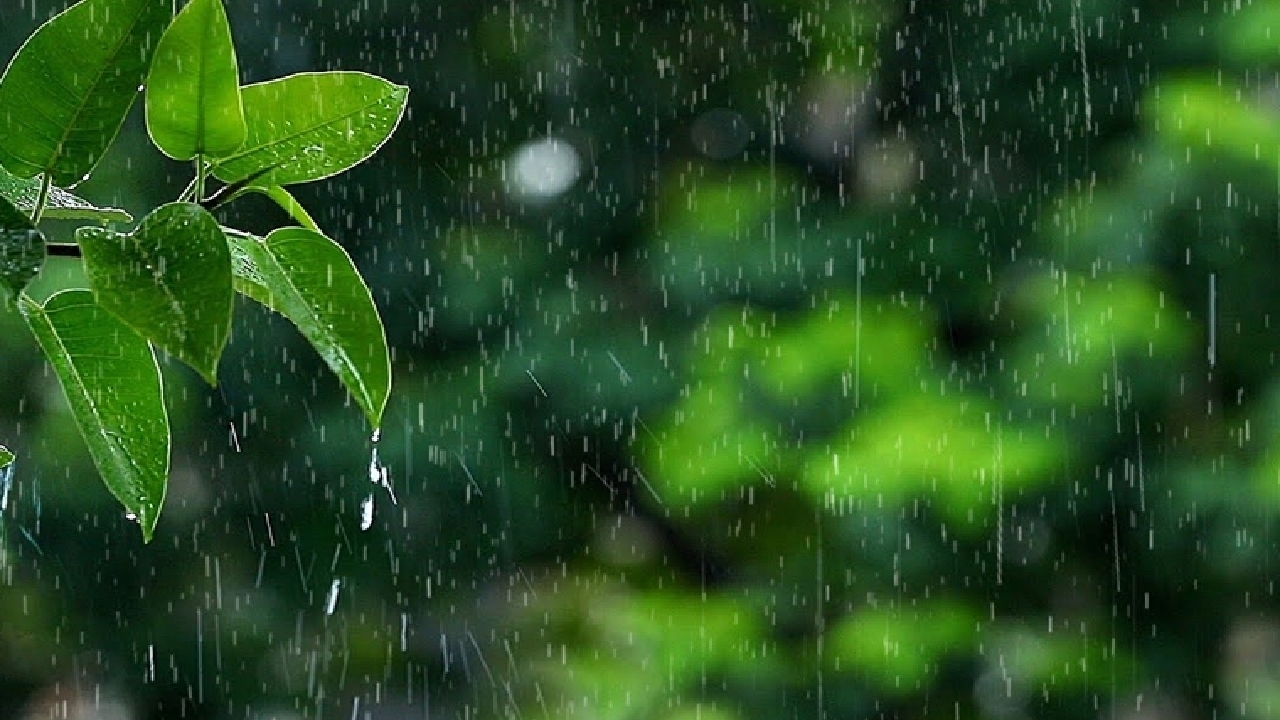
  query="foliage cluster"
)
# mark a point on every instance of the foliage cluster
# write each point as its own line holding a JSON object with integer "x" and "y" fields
{"x": 169, "y": 283}
{"x": 888, "y": 359}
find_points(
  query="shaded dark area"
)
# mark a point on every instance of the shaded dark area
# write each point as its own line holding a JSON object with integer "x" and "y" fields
{"x": 779, "y": 359}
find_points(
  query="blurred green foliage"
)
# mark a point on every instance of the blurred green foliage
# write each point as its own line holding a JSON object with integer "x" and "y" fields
{"x": 893, "y": 359}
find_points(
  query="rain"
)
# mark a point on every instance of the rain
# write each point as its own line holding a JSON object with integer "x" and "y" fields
{"x": 751, "y": 359}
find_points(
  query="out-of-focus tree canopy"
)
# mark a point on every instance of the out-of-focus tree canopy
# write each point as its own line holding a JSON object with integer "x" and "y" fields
{"x": 753, "y": 360}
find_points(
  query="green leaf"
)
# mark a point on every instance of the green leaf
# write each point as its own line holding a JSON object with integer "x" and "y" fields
{"x": 311, "y": 280}
{"x": 6, "y": 457}
{"x": 313, "y": 125}
{"x": 60, "y": 205}
{"x": 193, "y": 92}
{"x": 170, "y": 280}
{"x": 898, "y": 650}
{"x": 68, "y": 89}
{"x": 22, "y": 248}
{"x": 1205, "y": 117}
{"x": 112, "y": 383}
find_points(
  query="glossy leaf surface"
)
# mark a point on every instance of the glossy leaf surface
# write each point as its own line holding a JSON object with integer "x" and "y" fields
{"x": 170, "y": 280}
{"x": 310, "y": 279}
{"x": 113, "y": 385}
{"x": 193, "y": 92}
{"x": 60, "y": 205}
{"x": 313, "y": 125}
{"x": 68, "y": 89}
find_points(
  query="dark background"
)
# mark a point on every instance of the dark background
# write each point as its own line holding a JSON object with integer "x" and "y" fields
{"x": 884, "y": 359}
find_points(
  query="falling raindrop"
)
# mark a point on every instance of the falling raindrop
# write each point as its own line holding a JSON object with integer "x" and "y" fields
{"x": 378, "y": 473}
{"x": 869, "y": 342}
{"x": 331, "y": 600}
{"x": 6, "y": 484}
{"x": 366, "y": 512}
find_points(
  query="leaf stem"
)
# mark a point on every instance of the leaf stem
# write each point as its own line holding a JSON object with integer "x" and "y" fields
{"x": 199, "y": 178}
{"x": 286, "y": 201}
{"x": 230, "y": 192}
{"x": 42, "y": 199}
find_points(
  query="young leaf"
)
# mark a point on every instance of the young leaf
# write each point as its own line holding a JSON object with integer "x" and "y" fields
{"x": 313, "y": 125}
{"x": 59, "y": 205}
{"x": 193, "y": 92}
{"x": 169, "y": 280}
{"x": 311, "y": 280}
{"x": 112, "y": 383}
{"x": 67, "y": 90}
{"x": 22, "y": 248}
{"x": 6, "y": 457}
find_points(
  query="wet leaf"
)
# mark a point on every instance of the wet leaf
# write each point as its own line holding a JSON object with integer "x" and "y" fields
{"x": 1202, "y": 118}
{"x": 1129, "y": 320}
{"x": 68, "y": 89}
{"x": 313, "y": 125}
{"x": 170, "y": 280}
{"x": 6, "y": 457}
{"x": 22, "y": 248}
{"x": 945, "y": 447}
{"x": 193, "y": 92}
{"x": 60, "y": 205}
{"x": 899, "y": 651}
{"x": 113, "y": 385}
{"x": 710, "y": 445}
{"x": 310, "y": 279}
